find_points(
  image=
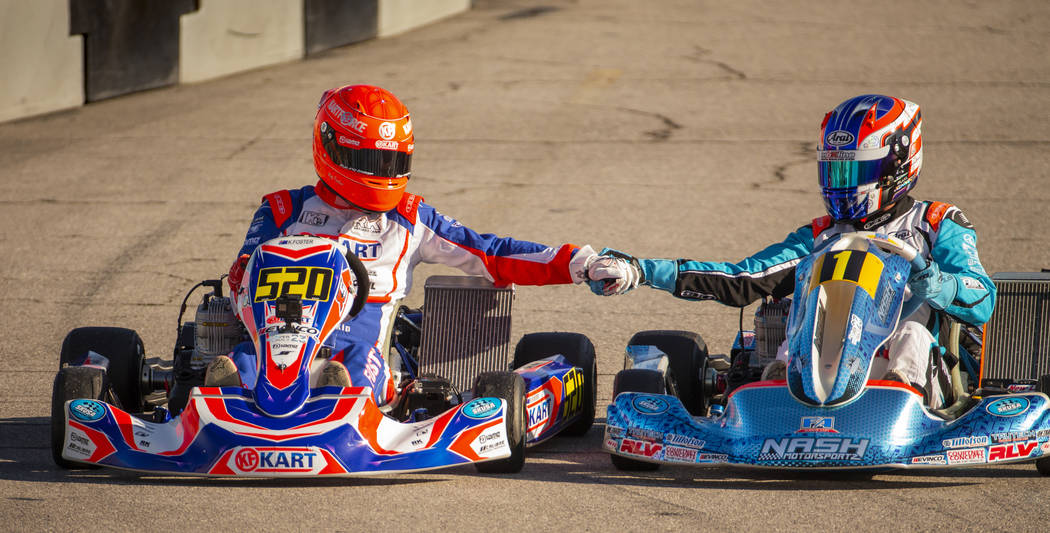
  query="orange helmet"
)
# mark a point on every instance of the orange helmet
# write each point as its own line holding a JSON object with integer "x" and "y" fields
{"x": 363, "y": 145}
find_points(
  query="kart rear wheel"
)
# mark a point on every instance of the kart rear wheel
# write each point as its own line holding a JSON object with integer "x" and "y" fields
{"x": 1043, "y": 464}
{"x": 511, "y": 388}
{"x": 687, "y": 353}
{"x": 579, "y": 352}
{"x": 123, "y": 347}
{"x": 71, "y": 383}
{"x": 636, "y": 380}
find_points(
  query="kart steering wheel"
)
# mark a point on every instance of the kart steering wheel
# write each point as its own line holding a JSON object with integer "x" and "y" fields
{"x": 361, "y": 277}
{"x": 898, "y": 247}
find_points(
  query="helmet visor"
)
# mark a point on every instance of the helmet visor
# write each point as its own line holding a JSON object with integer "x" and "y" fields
{"x": 370, "y": 161}
{"x": 842, "y": 174}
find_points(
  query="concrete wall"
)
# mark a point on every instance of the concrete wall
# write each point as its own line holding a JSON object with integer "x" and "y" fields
{"x": 228, "y": 36}
{"x": 396, "y": 16}
{"x": 42, "y": 55}
{"x": 41, "y": 66}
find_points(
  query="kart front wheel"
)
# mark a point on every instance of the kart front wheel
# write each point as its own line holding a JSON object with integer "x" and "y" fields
{"x": 71, "y": 383}
{"x": 511, "y": 388}
{"x": 579, "y": 352}
{"x": 127, "y": 360}
{"x": 636, "y": 380}
{"x": 687, "y": 354}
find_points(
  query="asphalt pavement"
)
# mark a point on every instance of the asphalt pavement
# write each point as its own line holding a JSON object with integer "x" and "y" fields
{"x": 666, "y": 128}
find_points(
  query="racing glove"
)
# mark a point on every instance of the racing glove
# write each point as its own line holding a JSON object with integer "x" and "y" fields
{"x": 237, "y": 274}
{"x": 612, "y": 273}
{"x": 935, "y": 287}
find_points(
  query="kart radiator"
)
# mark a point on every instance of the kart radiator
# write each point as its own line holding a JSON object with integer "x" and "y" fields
{"x": 466, "y": 328}
{"x": 1017, "y": 337}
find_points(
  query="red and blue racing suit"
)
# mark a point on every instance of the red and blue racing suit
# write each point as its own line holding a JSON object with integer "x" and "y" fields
{"x": 390, "y": 245}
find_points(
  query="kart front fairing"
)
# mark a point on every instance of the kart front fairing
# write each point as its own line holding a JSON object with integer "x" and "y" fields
{"x": 338, "y": 432}
{"x": 295, "y": 292}
{"x": 829, "y": 414}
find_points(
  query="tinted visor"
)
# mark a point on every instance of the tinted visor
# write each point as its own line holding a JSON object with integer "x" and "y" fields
{"x": 371, "y": 161}
{"x": 842, "y": 174}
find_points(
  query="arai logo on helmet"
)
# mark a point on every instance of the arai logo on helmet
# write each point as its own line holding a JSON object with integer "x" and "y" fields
{"x": 648, "y": 405}
{"x": 480, "y": 408}
{"x": 839, "y": 138}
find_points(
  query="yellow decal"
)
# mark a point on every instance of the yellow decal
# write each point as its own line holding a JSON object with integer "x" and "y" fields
{"x": 573, "y": 392}
{"x": 854, "y": 266}
{"x": 309, "y": 283}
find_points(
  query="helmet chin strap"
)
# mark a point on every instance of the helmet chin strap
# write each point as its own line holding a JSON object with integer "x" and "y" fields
{"x": 885, "y": 214}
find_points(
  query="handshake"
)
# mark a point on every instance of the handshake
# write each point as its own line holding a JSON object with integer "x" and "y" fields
{"x": 612, "y": 272}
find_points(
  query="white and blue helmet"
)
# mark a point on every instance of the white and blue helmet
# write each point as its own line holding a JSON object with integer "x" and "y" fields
{"x": 869, "y": 155}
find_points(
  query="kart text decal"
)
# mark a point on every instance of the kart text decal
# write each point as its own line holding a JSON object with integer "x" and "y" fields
{"x": 309, "y": 283}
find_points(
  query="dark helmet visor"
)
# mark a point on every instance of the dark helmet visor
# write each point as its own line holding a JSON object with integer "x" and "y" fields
{"x": 370, "y": 161}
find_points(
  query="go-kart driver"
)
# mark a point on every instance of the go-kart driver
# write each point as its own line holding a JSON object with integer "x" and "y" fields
{"x": 868, "y": 159}
{"x": 362, "y": 149}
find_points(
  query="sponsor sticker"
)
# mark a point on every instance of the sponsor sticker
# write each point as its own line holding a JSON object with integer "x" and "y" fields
{"x": 78, "y": 445}
{"x": 1014, "y": 436}
{"x": 1021, "y": 387}
{"x": 539, "y": 412}
{"x": 838, "y": 138}
{"x": 813, "y": 449}
{"x": 650, "y": 405}
{"x": 1008, "y": 452}
{"x": 481, "y": 408}
{"x": 684, "y": 455}
{"x": 965, "y": 442}
{"x": 684, "y": 440}
{"x": 817, "y": 424}
{"x": 837, "y": 155}
{"x": 646, "y": 434}
{"x": 856, "y": 327}
{"x": 313, "y": 218}
{"x": 929, "y": 460}
{"x": 966, "y": 456}
{"x": 640, "y": 448}
{"x": 86, "y": 410}
{"x": 1008, "y": 406}
{"x": 387, "y": 130}
{"x": 386, "y": 145}
{"x": 712, "y": 458}
{"x": 490, "y": 441}
{"x": 276, "y": 460}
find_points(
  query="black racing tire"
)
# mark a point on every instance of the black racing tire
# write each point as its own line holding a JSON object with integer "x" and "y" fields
{"x": 636, "y": 380}
{"x": 1043, "y": 463}
{"x": 71, "y": 383}
{"x": 123, "y": 347}
{"x": 511, "y": 388}
{"x": 579, "y": 352}
{"x": 687, "y": 353}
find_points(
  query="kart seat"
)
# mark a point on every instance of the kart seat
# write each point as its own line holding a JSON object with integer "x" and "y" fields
{"x": 957, "y": 398}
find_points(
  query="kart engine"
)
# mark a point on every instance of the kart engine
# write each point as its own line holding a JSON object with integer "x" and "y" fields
{"x": 218, "y": 329}
{"x": 214, "y": 331}
{"x": 770, "y": 325}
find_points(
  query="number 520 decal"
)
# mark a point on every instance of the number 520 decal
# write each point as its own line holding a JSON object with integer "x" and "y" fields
{"x": 309, "y": 283}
